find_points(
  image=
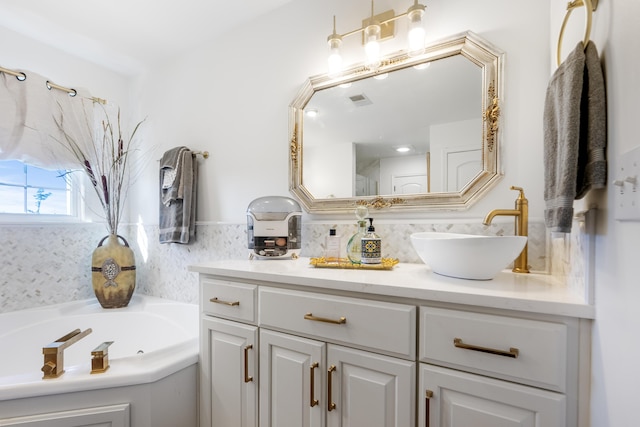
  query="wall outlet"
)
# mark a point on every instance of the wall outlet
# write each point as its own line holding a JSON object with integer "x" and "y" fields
{"x": 627, "y": 186}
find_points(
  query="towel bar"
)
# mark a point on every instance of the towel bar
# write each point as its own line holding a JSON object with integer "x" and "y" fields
{"x": 590, "y": 7}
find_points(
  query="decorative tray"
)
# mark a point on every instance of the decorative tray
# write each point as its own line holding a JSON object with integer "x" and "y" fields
{"x": 322, "y": 262}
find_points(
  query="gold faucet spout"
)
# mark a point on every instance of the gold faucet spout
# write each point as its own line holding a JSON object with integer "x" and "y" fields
{"x": 521, "y": 215}
{"x": 53, "y": 353}
{"x": 499, "y": 212}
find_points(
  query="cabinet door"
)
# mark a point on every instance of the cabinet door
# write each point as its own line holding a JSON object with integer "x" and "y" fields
{"x": 291, "y": 381}
{"x": 104, "y": 416}
{"x": 228, "y": 377}
{"x": 459, "y": 399}
{"x": 369, "y": 389}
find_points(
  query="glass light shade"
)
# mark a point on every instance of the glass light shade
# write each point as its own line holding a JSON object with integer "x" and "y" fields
{"x": 335, "y": 58}
{"x": 372, "y": 46}
{"x": 416, "y": 34}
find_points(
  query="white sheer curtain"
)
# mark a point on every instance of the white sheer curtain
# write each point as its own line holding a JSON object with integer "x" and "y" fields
{"x": 32, "y": 119}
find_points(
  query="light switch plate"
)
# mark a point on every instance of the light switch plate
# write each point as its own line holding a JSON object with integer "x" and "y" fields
{"x": 627, "y": 187}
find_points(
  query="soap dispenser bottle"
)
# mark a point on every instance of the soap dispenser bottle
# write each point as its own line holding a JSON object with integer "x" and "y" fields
{"x": 371, "y": 246}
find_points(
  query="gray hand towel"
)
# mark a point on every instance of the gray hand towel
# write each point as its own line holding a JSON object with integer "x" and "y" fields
{"x": 178, "y": 217}
{"x": 170, "y": 172}
{"x": 592, "y": 165}
{"x": 574, "y": 135}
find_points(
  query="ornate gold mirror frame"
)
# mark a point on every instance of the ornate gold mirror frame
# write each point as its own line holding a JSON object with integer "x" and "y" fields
{"x": 488, "y": 58}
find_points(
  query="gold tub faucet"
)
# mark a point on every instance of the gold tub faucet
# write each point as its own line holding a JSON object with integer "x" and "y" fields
{"x": 100, "y": 358}
{"x": 54, "y": 353}
{"x": 521, "y": 214}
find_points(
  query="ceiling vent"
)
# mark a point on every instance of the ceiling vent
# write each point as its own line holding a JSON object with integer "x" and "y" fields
{"x": 360, "y": 100}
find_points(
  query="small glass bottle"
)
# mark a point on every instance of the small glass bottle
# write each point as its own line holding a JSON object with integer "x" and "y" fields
{"x": 354, "y": 246}
{"x": 332, "y": 247}
{"x": 371, "y": 246}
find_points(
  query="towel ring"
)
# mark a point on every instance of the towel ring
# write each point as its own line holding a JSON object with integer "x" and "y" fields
{"x": 590, "y": 6}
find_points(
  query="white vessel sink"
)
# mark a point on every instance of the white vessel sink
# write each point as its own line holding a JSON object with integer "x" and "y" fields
{"x": 467, "y": 256}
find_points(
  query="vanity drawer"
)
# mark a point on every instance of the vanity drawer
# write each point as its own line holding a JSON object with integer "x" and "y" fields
{"x": 387, "y": 327}
{"x": 529, "y": 351}
{"x": 231, "y": 300}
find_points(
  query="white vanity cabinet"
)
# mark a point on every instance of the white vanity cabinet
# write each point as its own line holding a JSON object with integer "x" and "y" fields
{"x": 228, "y": 354}
{"x": 306, "y": 383}
{"x": 311, "y": 374}
{"x": 313, "y": 359}
{"x": 494, "y": 370}
{"x": 287, "y": 345}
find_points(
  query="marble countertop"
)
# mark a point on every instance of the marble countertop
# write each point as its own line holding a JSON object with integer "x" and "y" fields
{"x": 535, "y": 293}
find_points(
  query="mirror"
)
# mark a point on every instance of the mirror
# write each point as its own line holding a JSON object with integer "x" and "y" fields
{"x": 442, "y": 108}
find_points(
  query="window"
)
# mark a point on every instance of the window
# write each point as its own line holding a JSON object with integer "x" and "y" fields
{"x": 26, "y": 189}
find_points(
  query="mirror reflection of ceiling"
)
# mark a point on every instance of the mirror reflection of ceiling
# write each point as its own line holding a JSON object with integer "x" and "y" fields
{"x": 379, "y": 115}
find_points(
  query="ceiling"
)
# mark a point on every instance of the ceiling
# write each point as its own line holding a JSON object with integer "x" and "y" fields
{"x": 127, "y": 35}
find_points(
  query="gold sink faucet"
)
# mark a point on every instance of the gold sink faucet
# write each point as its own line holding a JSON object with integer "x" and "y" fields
{"x": 521, "y": 214}
{"x": 54, "y": 353}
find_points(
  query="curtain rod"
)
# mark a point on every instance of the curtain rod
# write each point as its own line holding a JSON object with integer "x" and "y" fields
{"x": 72, "y": 92}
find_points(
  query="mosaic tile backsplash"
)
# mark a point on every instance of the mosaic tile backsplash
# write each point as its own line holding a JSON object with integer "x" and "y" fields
{"x": 50, "y": 264}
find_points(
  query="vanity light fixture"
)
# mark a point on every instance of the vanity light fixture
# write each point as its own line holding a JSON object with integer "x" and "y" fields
{"x": 381, "y": 76}
{"x": 375, "y": 29}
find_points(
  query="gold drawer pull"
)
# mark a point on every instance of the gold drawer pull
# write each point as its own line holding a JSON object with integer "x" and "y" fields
{"x": 341, "y": 321}
{"x": 247, "y": 378}
{"x": 230, "y": 303}
{"x": 513, "y": 352}
{"x": 330, "y": 405}
{"x": 312, "y": 400}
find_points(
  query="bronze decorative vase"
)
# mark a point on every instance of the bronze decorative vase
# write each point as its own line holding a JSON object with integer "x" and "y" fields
{"x": 113, "y": 272}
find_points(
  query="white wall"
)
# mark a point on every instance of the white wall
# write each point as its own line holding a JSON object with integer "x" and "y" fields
{"x": 330, "y": 168}
{"x": 615, "y": 367}
{"x": 231, "y": 96}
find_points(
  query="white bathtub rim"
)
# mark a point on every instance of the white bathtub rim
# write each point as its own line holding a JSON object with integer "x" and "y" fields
{"x": 122, "y": 371}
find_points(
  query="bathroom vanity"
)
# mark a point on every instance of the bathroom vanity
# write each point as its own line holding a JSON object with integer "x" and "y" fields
{"x": 285, "y": 344}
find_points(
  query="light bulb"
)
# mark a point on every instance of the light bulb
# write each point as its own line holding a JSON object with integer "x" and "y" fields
{"x": 335, "y": 58}
{"x": 415, "y": 37}
{"x": 372, "y": 46}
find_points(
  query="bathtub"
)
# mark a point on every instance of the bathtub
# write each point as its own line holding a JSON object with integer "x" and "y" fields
{"x": 153, "y": 363}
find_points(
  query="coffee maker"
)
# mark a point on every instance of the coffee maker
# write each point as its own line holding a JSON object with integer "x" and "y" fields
{"x": 274, "y": 228}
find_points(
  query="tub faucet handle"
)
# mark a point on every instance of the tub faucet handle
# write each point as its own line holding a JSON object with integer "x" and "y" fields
{"x": 48, "y": 368}
{"x": 100, "y": 358}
